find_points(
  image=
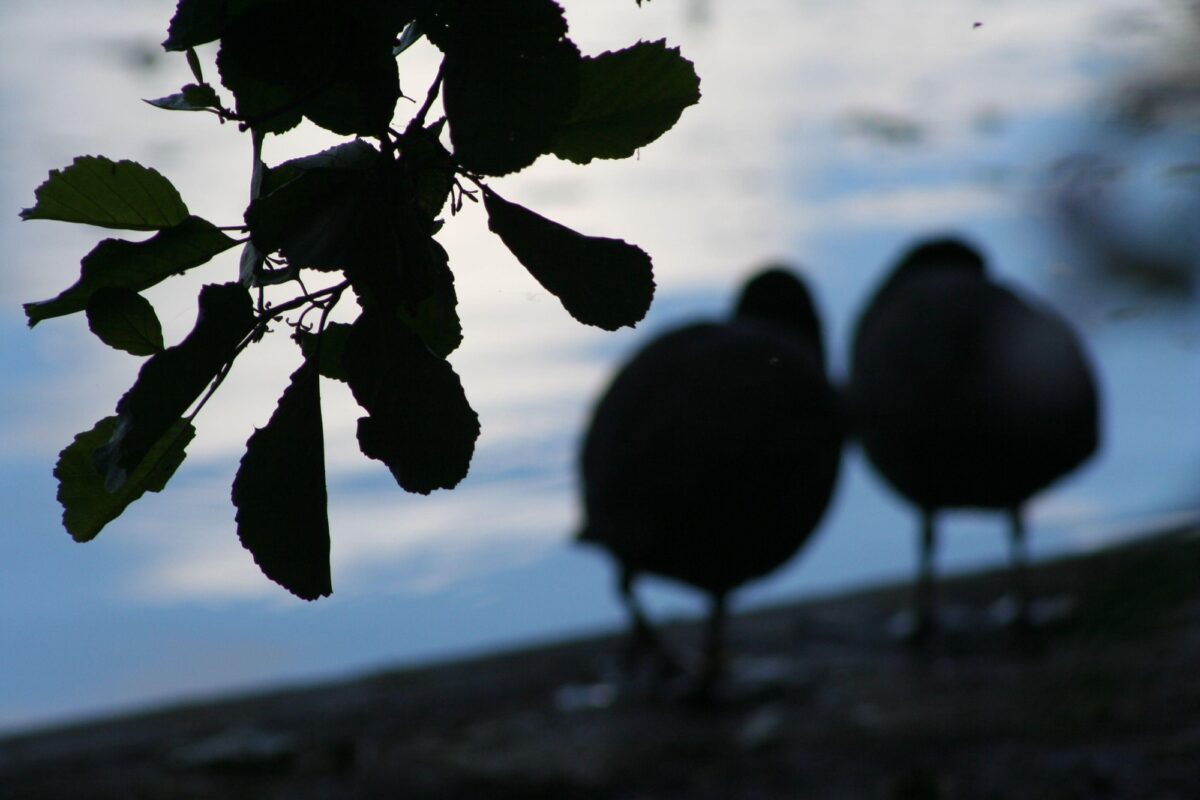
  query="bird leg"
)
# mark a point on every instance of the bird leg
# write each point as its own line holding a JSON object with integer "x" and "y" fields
{"x": 1019, "y": 577}
{"x": 644, "y": 638}
{"x": 926, "y": 589}
{"x": 714, "y": 648}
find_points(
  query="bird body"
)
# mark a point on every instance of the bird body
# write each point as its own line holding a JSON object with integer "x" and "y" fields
{"x": 691, "y": 467}
{"x": 713, "y": 453}
{"x": 965, "y": 394}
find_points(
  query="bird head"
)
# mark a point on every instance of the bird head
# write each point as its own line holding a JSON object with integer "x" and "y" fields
{"x": 777, "y": 295}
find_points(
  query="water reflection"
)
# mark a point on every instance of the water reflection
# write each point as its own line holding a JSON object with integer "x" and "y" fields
{"x": 765, "y": 167}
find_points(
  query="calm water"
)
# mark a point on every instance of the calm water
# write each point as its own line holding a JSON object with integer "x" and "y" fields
{"x": 828, "y": 135}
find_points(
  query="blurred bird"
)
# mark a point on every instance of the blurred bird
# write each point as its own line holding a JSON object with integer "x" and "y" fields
{"x": 966, "y": 395}
{"x": 713, "y": 454}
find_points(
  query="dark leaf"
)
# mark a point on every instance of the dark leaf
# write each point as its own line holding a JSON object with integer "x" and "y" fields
{"x": 123, "y": 319}
{"x": 193, "y": 97}
{"x": 193, "y": 62}
{"x": 195, "y": 22}
{"x": 314, "y": 209}
{"x": 608, "y": 283}
{"x": 199, "y": 21}
{"x": 328, "y": 347}
{"x": 280, "y": 493}
{"x": 510, "y": 79}
{"x": 315, "y": 58}
{"x": 87, "y": 506}
{"x": 313, "y": 220}
{"x": 420, "y": 424}
{"x": 135, "y": 265}
{"x": 172, "y": 380}
{"x": 397, "y": 268}
{"x": 431, "y": 307}
{"x": 427, "y": 168}
{"x": 96, "y": 190}
{"x": 356, "y": 155}
{"x": 627, "y": 99}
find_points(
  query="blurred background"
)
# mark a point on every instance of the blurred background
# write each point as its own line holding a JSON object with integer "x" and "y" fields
{"x": 1063, "y": 138}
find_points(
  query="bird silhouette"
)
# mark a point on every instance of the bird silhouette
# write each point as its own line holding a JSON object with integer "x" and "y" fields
{"x": 966, "y": 395}
{"x": 713, "y": 453}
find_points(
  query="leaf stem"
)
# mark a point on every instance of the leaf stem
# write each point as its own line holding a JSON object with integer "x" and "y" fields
{"x": 419, "y": 120}
{"x": 330, "y": 292}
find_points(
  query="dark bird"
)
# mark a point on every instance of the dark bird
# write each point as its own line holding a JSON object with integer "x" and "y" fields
{"x": 967, "y": 396}
{"x": 713, "y": 454}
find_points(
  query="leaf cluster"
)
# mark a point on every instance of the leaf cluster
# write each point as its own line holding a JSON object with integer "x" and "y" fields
{"x": 361, "y": 219}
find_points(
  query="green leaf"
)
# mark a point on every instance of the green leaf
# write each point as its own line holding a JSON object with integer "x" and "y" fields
{"x": 125, "y": 320}
{"x": 135, "y": 265}
{"x": 193, "y": 97}
{"x": 608, "y": 283}
{"x": 318, "y": 59}
{"x": 96, "y": 190}
{"x": 328, "y": 347}
{"x": 510, "y": 79}
{"x": 172, "y": 380}
{"x": 627, "y": 99}
{"x": 87, "y": 506}
{"x": 411, "y": 35}
{"x": 420, "y": 424}
{"x": 280, "y": 492}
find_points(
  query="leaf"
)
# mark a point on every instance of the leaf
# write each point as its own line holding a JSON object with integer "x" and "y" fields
{"x": 125, "y": 320}
{"x": 315, "y": 58}
{"x": 195, "y": 22}
{"x": 312, "y": 220}
{"x": 510, "y": 79}
{"x": 314, "y": 209}
{"x": 627, "y": 99}
{"x": 280, "y": 493}
{"x": 135, "y": 265}
{"x": 172, "y": 380}
{"x": 329, "y": 347}
{"x": 430, "y": 308}
{"x": 356, "y": 155}
{"x": 87, "y": 506}
{"x": 193, "y": 97}
{"x": 96, "y": 190}
{"x": 420, "y": 424}
{"x": 411, "y": 35}
{"x": 199, "y": 21}
{"x": 427, "y": 168}
{"x": 608, "y": 283}
{"x": 193, "y": 62}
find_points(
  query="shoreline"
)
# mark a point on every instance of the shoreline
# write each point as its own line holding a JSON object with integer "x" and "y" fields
{"x": 1111, "y": 671}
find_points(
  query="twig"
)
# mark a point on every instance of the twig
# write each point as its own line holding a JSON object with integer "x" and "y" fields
{"x": 265, "y": 319}
{"x": 419, "y": 120}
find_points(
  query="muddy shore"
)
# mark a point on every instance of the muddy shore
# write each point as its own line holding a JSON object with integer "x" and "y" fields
{"x": 1103, "y": 701}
